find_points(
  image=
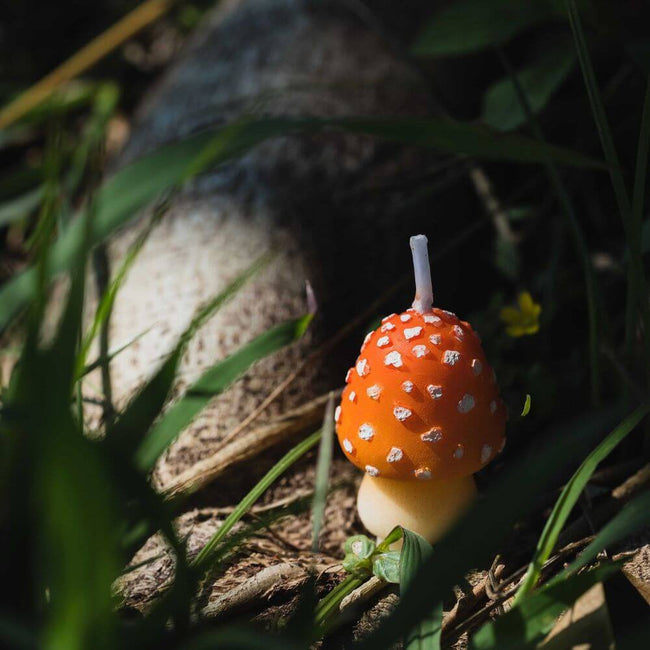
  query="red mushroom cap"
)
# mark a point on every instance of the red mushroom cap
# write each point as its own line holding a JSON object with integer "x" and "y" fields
{"x": 422, "y": 401}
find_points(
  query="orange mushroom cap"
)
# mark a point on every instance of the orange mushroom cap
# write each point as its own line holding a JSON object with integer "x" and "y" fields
{"x": 421, "y": 401}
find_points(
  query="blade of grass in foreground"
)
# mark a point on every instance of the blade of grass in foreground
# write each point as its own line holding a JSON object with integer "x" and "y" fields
{"x": 523, "y": 626}
{"x": 138, "y": 184}
{"x": 213, "y": 382}
{"x": 591, "y": 290}
{"x": 474, "y": 540}
{"x": 322, "y": 472}
{"x": 203, "y": 559}
{"x": 138, "y": 417}
{"x": 469, "y": 25}
{"x": 637, "y": 293}
{"x": 426, "y": 634}
{"x": 569, "y": 497}
{"x": 632, "y": 518}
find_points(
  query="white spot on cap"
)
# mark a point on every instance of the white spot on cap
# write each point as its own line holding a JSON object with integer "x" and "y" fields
{"x": 366, "y": 432}
{"x": 466, "y": 403}
{"x": 348, "y": 375}
{"x": 372, "y": 471}
{"x": 368, "y": 335}
{"x": 352, "y": 396}
{"x": 385, "y": 318}
{"x": 337, "y": 414}
{"x": 383, "y": 341}
{"x": 402, "y": 413}
{"x": 502, "y": 445}
{"x": 394, "y": 359}
{"x": 348, "y": 446}
{"x": 374, "y": 391}
{"x": 477, "y": 366}
{"x": 459, "y": 333}
{"x": 432, "y": 319}
{"x": 405, "y": 318}
{"x": 432, "y": 435}
{"x": 363, "y": 367}
{"x": 394, "y": 455}
{"x": 419, "y": 350}
{"x": 412, "y": 332}
{"x": 423, "y": 473}
{"x": 493, "y": 407}
{"x": 435, "y": 339}
{"x": 407, "y": 386}
{"x": 450, "y": 357}
{"x": 486, "y": 452}
{"x": 387, "y": 327}
{"x": 449, "y": 313}
{"x": 459, "y": 452}
{"x": 434, "y": 391}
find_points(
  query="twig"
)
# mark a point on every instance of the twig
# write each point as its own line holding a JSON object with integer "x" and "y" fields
{"x": 247, "y": 446}
{"x": 255, "y": 588}
{"x": 363, "y": 593}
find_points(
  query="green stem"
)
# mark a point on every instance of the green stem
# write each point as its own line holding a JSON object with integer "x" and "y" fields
{"x": 578, "y": 236}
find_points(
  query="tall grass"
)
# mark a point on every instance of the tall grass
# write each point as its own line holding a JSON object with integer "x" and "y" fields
{"x": 75, "y": 506}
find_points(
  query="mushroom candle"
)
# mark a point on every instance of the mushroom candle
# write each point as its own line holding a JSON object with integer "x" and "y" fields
{"x": 420, "y": 414}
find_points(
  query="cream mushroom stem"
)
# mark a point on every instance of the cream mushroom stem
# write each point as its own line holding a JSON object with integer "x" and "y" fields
{"x": 428, "y": 508}
{"x": 423, "y": 289}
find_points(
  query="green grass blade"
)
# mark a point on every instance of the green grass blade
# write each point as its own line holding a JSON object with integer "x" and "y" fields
{"x": 105, "y": 306}
{"x": 638, "y": 200}
{"x": 20, "y": 207}
{"x": 449, "y": 136}
{"x": 591, "y": 290}
{"x": 325, "y": 452}
{"x": 637, "y": 293}
{"x": 502, "y": 109}
{"x": 204, "y": 558}
{"x": 426, "y": 634}
{"x": 213, "y": 382}
{"x": 569, "y": 497}
{"x": 93, "y": 365}
{"x": 469, "y": 25}
{"x": 524, "y": 625}
{"x": 134, "y": 187}
{"x": 136, "y": 420}
{"x": 492, "y": 520}
{"x": 633, "y": 517}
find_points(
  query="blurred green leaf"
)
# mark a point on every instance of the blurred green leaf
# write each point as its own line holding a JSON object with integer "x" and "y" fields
{"x": 524, "y": 625}
{"x": 633, "y": 517}
{"x": 637, "y": 287}
{"x": 511, "y": 497}
{"x": 136, "y": 185}
{"x": 213, "y": 382}
{"x": 426, "y": 634}
{"x": 325, "y": 451}
{"x": 502, "y": 109}
{"x": 461, "y": 138}
{"x": 468, "y": 25}
{"x": 20, "y": 207}
{"x": 240, "y": 638}
{"x": 527, "y": 403}
{"x": 569, "y": 497}
{"x": 136, "y": 420}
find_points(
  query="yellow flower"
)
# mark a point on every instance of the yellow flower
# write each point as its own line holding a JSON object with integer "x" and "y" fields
{"x": 525, "y": 319}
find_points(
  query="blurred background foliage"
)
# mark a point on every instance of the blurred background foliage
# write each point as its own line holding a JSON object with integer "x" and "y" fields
{"x": 560, "y": 300}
